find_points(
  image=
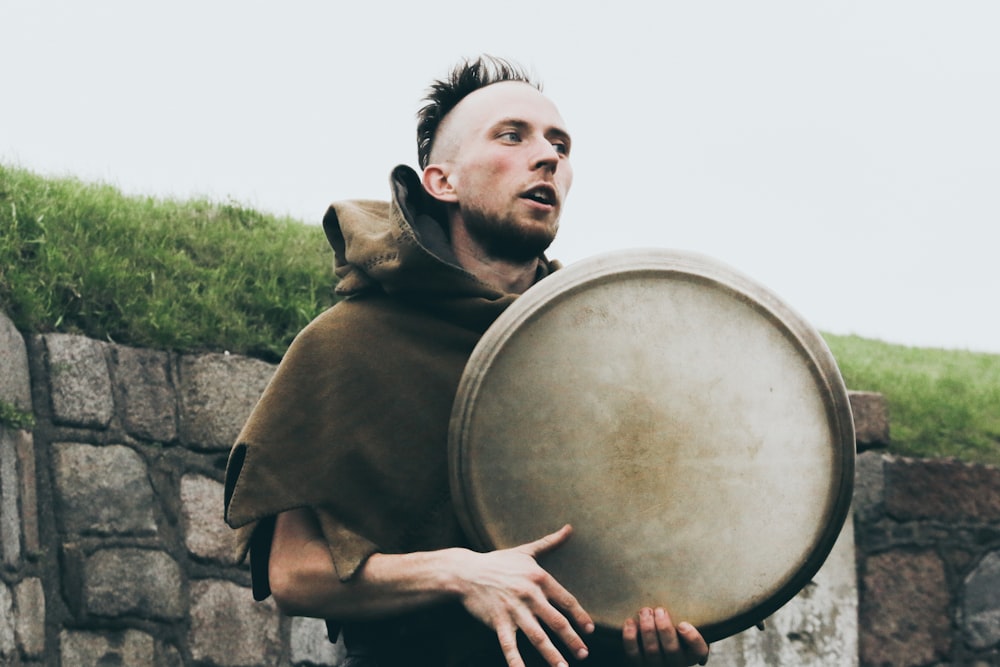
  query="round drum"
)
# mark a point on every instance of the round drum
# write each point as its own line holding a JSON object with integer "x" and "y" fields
{"x": 693, "y": 429}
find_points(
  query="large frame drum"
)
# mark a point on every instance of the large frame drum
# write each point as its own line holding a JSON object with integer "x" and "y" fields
{"x": 693, "y": 429}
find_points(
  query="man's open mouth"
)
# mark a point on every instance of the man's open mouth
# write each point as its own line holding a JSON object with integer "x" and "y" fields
{"x": 542, "y": 195}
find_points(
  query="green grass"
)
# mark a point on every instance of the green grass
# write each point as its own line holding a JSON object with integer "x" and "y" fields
{"x": 12, "y": 416}
{"x": 196, "y": 275}
{"x": 941, "y": 402}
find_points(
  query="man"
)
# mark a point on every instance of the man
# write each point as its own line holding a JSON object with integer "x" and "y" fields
{"x": 340, "y": 476}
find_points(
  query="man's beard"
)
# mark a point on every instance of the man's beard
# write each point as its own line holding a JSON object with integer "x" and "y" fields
{"x": 506, "y": 239}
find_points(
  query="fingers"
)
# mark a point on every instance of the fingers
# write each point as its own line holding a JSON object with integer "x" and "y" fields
{"x": 571, "y": 607}
{"x": 652, "y": 639}
{"x": 539, "y": 612}
{"x": 509, "y": 591}
{"x": 630, "y": 640}
{"x": 657, "y": 630}
{"x": 559, "y": 596}
{"x": 528, "y": 624}
{"x": 542, "y": 643}
{"x": 508, "y": 645}
{"x": 562, "y": 628}
{"x": 548, "y": 543}
{"x": 694, "y": 644}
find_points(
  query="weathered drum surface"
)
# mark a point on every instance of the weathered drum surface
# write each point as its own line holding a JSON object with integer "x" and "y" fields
{"x": 693, "y": 429}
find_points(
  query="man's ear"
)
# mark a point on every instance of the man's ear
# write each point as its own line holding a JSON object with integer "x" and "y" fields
{"x": 437, "y": 185}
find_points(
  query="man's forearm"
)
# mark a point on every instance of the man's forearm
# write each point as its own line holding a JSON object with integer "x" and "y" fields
{"x": 304, "y": 582}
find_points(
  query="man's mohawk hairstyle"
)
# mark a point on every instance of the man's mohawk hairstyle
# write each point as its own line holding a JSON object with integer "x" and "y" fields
{"x": 443, "y": 95}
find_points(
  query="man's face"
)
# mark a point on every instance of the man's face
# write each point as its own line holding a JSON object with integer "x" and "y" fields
{"x": 505, "y": 149}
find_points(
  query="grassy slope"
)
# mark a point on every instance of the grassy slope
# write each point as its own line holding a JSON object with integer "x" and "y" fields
{"x": 941, "y": 402}
{"x": 191, "y": 275}
{"x": 196, "y": 275}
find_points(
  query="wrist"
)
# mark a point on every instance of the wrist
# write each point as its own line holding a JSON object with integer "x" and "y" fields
{"x": 425, "y": 572}
{"x": 452, "y": 564}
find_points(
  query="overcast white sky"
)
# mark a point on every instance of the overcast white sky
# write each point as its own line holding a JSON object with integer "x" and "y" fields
{"x": 844, "y": 154}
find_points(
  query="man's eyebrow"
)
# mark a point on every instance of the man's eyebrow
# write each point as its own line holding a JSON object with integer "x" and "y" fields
{"x": 516, "y": 123}
{"x": 559, "y": 133}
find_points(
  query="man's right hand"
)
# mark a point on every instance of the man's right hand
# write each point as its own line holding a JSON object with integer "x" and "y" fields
{"x": 509, "y": 591}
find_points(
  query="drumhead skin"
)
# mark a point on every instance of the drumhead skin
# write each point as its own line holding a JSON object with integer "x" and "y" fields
{"x": 693, "y": 429}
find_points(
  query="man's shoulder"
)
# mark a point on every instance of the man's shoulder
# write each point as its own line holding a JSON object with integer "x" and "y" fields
{"x": 347, "y": 315}
{"x": 359, "y": 319}
{"x": 339, "y": 337}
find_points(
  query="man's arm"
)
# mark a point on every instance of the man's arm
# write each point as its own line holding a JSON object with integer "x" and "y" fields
{"x": 506, "y": 589}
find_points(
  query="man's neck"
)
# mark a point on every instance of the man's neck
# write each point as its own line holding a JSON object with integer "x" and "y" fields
{"x": 506, "y": 275}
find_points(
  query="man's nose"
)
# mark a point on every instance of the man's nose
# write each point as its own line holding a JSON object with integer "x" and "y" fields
{"x": 546, "y": 156}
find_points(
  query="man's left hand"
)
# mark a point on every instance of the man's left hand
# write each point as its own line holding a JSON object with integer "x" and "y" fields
{"x": 651, "y": 639}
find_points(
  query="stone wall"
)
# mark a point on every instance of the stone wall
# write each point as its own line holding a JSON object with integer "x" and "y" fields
{"x": 113, "y": 552}
{"x": 112, "y": 547}
{"x": 928, "y": 558}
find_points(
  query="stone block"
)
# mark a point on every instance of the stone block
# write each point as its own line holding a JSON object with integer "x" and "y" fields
{"x": 24, "y": 445}
{"x": 869, "y": 486}
{"x": 311, "y": 645}
{"x": 8, "y": 643}
{"x": 103, "y": 490}
{"x": 90, "y": 649}
{"x": 79, "y": 381}
{"x": 206, "y": 535}
{"x": 10, "y": 515}
{"x": 146, "y": 388}
{"x": 29, "y": 617}
{"x": 171, "y": 657}
{"x": 816, "y": 628}
{"x": 15, "y": 379}
{"x": 904, "y": 608}
{"x": 133, "y": 582}
{"x": 218, "y": 391}
{"x": 229, "y": 629}
{"x": 939, "y": 489}
{"x": 871, "y": 419}
{"x": 981, "y": 606}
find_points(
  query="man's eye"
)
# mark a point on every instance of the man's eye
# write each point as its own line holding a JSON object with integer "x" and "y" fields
{"x": 511, "y": 136}
{"x": 560, "y": 147}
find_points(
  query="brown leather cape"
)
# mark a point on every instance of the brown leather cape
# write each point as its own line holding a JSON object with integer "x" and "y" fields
{"x": 354, "y": 422}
